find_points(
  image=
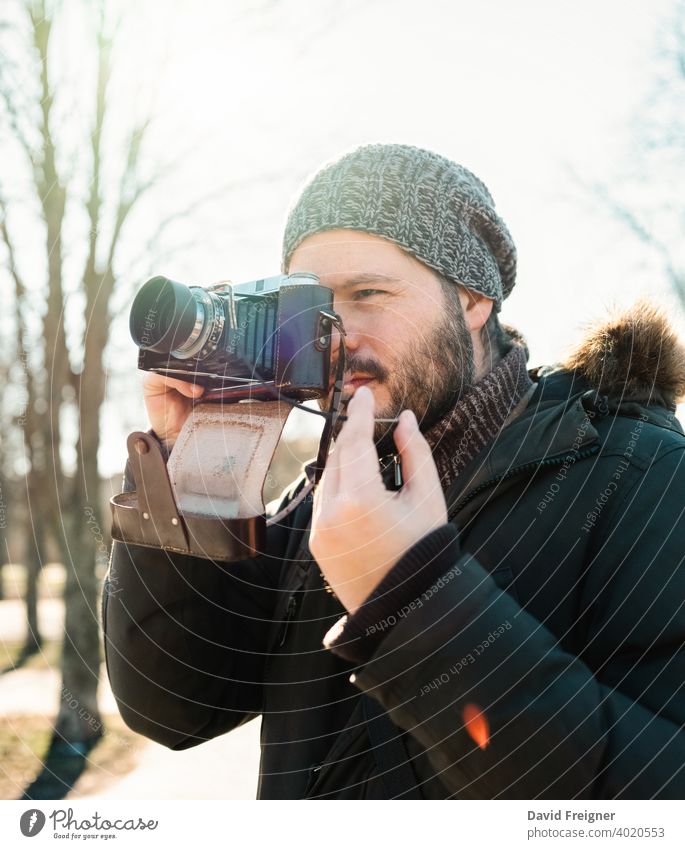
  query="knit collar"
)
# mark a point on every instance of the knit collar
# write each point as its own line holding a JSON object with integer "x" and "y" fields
{"x": 480, "y": 414}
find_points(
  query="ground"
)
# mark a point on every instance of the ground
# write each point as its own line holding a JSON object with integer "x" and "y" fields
{"x": 124, "y": 765}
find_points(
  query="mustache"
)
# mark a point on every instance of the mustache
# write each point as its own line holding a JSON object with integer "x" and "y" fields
{"x": 366, "y": 365}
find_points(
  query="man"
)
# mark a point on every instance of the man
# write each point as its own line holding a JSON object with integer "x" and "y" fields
{"x": 507, "y": 623}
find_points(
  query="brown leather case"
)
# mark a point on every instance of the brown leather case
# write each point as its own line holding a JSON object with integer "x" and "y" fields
{"x": 149, "y": 516}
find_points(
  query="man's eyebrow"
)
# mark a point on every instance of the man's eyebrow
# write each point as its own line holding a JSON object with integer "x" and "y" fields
{"x": 359, "y": 279}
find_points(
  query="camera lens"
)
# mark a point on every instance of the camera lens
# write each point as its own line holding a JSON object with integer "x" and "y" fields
{"x": 164, "y": 315}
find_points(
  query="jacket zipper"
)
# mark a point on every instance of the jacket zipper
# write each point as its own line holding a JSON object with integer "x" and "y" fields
{"x": 547, "y": 461}
{"x": 289, "y": 613}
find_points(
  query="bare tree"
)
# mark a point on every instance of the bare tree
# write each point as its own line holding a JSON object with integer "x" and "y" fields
{"x": 645, "y": 197}
{"x": 4, "y": 478}
{"x": 29, "y": 425}
{"x": 64, "y": 504}
{"x": 59, "y": 370}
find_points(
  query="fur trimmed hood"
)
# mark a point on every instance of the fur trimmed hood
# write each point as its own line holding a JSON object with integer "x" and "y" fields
{"x": 634, "y": 355}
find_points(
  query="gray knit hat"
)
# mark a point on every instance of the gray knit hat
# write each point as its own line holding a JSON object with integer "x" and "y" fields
{"x": 436, "y": 210}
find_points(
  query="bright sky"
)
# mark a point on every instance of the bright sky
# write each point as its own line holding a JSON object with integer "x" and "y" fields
{"x": 518, "y": 92}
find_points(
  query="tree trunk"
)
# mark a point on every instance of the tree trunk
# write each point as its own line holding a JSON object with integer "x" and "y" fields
{"x": 4, "y": 510}
{"x": 79, "y": 717}
{"x": 33, "y": 559}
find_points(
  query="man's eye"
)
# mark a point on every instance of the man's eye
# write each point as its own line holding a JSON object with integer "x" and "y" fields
{"x": 368, "y": 293}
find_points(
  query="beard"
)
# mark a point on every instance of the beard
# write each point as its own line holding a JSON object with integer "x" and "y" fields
{"x": 433, "y": 373}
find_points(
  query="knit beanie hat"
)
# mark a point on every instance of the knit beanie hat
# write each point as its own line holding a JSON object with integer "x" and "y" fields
{"x": 436, "y": 210}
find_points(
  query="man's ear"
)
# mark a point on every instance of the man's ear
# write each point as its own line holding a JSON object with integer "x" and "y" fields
{"x": 475, "y": 307}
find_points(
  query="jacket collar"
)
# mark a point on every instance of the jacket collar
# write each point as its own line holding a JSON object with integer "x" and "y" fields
{"x": 554, "y": 425}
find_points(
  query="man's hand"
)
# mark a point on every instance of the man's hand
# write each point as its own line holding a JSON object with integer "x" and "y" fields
{"x": 168, "y": 402}
{"x": 359, "y": 528}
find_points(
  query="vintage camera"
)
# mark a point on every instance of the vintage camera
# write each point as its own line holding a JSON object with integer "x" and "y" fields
{"x": 257, "y": 348}
{"x": 241, "y": 341}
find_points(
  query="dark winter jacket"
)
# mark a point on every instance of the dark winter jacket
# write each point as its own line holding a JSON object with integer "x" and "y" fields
{"x": 553, "y": 612}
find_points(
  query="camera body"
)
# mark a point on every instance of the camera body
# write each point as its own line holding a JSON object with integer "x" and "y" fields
{"x": 239, "y": 341}
{"x": 258, "y": 341}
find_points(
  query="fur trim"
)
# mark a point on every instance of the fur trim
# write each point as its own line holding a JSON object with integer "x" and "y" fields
{"x": 635, "y": 355}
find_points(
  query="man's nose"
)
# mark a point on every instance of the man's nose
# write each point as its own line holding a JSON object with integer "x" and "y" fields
{"x": 352, "y": 335}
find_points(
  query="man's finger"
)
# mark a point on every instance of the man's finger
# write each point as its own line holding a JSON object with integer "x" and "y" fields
{"x": 328, "y": 484}
{"x": 321, "y": 494}
{"x": 418, "y": 467}
{"x": 358, "y": 460}
{"x": 157, "y": 384}
{"x": 359, "y": 424}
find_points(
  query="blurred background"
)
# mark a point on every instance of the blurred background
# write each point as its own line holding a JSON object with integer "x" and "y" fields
{"x": 140, "y": 138}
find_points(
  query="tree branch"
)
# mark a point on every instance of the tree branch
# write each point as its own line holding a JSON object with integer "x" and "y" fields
{"x": 19, "y": 299}
{"x": 94, "y": 202}
{"x": 52, "y": 197}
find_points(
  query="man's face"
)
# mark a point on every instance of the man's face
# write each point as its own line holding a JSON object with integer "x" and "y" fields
{"x": 406, "y": 339}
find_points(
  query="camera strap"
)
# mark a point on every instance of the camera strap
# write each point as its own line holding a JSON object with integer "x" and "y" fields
{"x": 207, "y": 499}
{"x": 332, "y": 420}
